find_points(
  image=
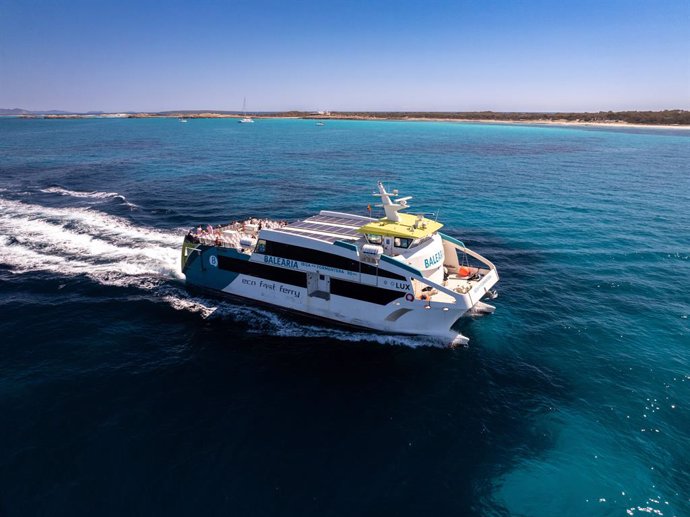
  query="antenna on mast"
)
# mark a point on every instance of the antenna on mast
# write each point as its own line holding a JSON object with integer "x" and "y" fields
{"x": 391, "y": 208}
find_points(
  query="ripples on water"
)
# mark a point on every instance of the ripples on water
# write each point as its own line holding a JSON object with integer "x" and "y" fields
{"x": 121, "y": 391}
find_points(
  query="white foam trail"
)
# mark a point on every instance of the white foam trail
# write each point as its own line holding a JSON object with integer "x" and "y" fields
{"x": 74, "y": 193}
{"x": 79, "y": 241}
{"x": 182, "y": 301}
{"x": 88, "y": 221}
{"x": 89, "y": 195}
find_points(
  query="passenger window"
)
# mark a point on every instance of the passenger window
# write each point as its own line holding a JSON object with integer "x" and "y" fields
{"x": 260, "y": 247}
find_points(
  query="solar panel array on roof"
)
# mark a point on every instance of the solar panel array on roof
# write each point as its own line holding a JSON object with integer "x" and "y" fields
{"x": 325, "y": 227}
{"x": 335, "y": 220}
{"x": 321, "y": 237}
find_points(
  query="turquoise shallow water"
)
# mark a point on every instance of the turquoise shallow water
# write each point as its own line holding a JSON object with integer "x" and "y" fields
{"x": 121, "y": 392}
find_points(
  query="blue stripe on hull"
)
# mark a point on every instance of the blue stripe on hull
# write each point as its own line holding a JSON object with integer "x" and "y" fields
{"x": 200, "y": 270}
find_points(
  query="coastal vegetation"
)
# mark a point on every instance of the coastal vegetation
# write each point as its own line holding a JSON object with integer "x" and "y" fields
{"x": 666, "y": 117}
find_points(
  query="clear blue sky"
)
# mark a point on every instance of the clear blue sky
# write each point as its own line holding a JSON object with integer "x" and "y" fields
{"x": 358, "y": 55}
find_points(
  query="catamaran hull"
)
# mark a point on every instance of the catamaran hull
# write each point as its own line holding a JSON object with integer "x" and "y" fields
{"x": 389, "y": 310}
{"x": 449, "y": 339}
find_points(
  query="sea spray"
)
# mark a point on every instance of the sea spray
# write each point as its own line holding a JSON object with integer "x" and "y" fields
{"x": 72, "y": 242}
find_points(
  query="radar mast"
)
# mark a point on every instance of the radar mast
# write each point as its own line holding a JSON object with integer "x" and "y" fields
{"x": 391, "y": 208}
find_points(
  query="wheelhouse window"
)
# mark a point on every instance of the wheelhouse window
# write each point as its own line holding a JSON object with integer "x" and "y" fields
{"x": 401, "y": 242}
{"x": 374, "y": 239}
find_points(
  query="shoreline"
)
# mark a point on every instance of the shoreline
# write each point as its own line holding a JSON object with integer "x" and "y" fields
{"x": 547, "y": 122}
{"x": 323, "y": 118}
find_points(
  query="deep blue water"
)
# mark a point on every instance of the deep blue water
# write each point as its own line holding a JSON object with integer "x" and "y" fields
{"x": 122, "y": 394}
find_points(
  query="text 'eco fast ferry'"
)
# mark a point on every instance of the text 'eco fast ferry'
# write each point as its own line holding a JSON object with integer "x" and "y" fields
{"x": 397, "y": 274}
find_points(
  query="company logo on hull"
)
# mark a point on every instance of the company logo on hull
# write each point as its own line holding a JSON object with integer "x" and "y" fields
{"x": 433, "y": 259}
{"x": 278, "y": 261}
{"x": 395, "y": 284}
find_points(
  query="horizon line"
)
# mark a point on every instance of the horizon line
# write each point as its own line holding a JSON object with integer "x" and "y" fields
{"x": 73, "y": 112}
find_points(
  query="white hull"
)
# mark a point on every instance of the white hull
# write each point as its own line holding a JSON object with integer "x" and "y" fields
{"x": 415, "y": 319}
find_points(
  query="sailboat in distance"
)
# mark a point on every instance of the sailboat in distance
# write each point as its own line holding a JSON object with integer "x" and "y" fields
{"x": 245, "y": 119}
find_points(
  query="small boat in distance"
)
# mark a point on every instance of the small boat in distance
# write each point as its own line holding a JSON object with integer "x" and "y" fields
{"x": 182, "y": 119}
{"x": 398, "y": 274}
{"x": 245, "y": 119}
{"x": 320, "y": 123}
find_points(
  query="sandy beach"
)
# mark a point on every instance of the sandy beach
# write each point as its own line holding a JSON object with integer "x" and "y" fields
{"x": 554, "y": 123}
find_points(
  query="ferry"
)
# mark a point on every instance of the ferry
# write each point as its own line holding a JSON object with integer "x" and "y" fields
{"x": 398, "y": 274}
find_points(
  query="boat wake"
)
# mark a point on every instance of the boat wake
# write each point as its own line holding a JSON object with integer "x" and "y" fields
{"x": 111, "y": 251}
{"x": 83, "y": 241}
{"x": 74, "y": 193}
{"x": 95, "y": 195}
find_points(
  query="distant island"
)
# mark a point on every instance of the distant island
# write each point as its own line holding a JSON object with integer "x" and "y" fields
{"x": 645, "y": 118}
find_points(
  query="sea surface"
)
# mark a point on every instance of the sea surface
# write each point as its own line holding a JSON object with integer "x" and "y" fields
{"x": 123, "y": 394}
